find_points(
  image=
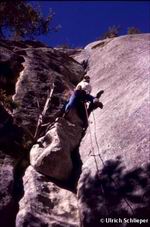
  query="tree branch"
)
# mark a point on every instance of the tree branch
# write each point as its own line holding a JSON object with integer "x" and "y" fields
{"x": 40, "y": 119}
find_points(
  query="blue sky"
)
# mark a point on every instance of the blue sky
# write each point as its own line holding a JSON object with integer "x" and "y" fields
{"x": 84, "y": 21}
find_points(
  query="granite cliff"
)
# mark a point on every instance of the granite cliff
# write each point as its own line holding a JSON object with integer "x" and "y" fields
{"x": 53, "y": 174}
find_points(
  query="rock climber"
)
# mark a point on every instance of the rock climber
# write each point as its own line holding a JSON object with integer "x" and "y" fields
{"x": 79, "y": 98}
{"x": 80, "y": 94}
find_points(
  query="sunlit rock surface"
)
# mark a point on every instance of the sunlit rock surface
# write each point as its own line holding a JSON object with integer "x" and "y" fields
{"x": 115, "y": 150}
{"x": 52, "y": 155}
{"x": 45, "y": 204}
{"x": 114, "y": 180}
{"x": 43, "y": 68}
{"x": 39, "y": 69}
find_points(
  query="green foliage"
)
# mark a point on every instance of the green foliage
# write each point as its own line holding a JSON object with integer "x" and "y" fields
{"x": 22, "y": 20}
{"x": 7, "y": 101}
{"x": 133, "y": 30}
{"x": 112, "y": 32}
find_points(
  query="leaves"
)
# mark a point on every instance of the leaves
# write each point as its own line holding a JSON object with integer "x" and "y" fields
{"x": 112, "y": 32}
{"x": 21, "y": 20}
{"x": 133, "y": 30}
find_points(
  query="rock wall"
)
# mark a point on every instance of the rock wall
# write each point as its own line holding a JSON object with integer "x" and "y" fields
{"x": 45, "y": 186}
{"x": 56, "y": 147}
{"x": 44, "y": 67}
{"x": 115, "y": 150}
{"x": 10, "y": 156}
{"x": 44, "y": 202}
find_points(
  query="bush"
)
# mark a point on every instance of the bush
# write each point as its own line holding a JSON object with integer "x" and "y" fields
{"x": 112, "y": 32}
{"x": 133, "y": 30}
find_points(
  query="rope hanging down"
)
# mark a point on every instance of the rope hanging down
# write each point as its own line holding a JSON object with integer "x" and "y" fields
{"x": 92, "y": 150}
{"x": 94, "y": 155}
{"x": 99, "y": 155}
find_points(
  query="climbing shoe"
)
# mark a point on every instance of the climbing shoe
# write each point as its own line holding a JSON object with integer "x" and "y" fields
{"x": 98, "y": 95}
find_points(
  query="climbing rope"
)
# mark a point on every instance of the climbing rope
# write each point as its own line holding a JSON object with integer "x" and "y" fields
{"x": 97, "y": 140}
{"x": 91, "y": 137}
{"x": 99, "y": 155}
{"x": 94, "y": 155}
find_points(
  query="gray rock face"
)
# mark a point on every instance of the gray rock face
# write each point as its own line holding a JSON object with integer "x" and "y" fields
{"x": 115, "y": 150}
{"x": 10, "y": 67}
{"x": 52, "y": 155}
{"x": 115, "y": 180}
{"x": 45, "y": 204}
{"x": 10, "y": 155}
{"x": 7, "y": 201}
{"x": 44, "y": 67}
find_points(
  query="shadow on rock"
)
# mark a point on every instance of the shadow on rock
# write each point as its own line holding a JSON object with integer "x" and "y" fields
{"x": 114, "y": 192}
{"x": 77, "y": 167}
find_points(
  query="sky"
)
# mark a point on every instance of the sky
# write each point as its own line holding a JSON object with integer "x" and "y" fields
{"x": 83, "y": 22}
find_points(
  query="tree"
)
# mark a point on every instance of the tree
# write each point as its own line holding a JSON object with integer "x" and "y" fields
{"x": 18, "y": 19}
{"x": 112, "y": 32}
{"x": 133, "y": 30}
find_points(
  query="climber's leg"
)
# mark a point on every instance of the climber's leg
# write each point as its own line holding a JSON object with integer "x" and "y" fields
{"x": 71, "y": 103}
{"x": 94, "y": 105}
{"x": 89, "y": 98}
{"x": 82, "y": 113}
